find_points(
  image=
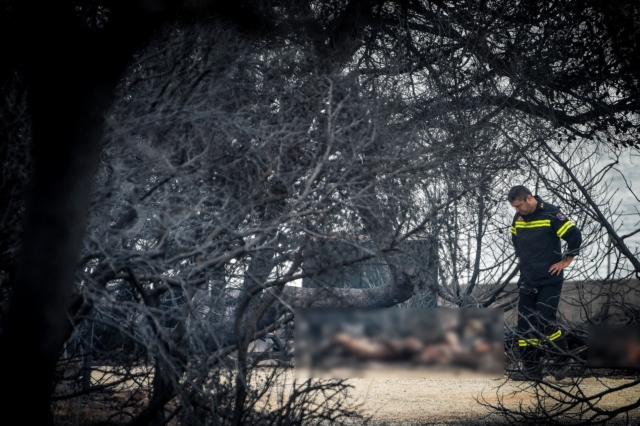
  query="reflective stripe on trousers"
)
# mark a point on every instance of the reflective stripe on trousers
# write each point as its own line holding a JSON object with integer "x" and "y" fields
{"x": 538, "y": 342}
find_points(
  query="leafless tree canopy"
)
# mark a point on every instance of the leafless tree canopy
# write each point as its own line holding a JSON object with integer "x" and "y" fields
{"x": 249, "y": 148}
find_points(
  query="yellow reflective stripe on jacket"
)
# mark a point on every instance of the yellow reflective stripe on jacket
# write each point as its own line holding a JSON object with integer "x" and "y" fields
{"x": 536, "y": 342}
{"x": 555, "y": 335}
{"x": 528, "y": 342}
{"x": 513, "y": 230}
{"x": 534, "y": 224}
{"x": 563, "y": 230}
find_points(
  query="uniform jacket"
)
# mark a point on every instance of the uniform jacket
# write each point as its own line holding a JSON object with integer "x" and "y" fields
{"x": 536, "y": 238}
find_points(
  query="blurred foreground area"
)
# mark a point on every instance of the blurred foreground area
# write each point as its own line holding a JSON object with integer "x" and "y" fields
{"x": 614, "y": 346}
{"x": 395, "y": 343}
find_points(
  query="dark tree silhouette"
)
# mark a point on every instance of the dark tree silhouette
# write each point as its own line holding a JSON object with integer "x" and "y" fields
{"x": 245, "y": 139}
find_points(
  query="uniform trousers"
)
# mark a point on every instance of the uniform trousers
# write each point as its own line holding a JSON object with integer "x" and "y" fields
{"x": 537, "y": 308}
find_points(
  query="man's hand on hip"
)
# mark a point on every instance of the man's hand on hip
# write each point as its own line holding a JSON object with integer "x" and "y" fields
{"x": 557, "y": 268}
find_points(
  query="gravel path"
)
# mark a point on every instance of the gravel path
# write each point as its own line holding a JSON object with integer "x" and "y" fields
{"x": 402, "y": 401}
{"x": 453, "y": 401}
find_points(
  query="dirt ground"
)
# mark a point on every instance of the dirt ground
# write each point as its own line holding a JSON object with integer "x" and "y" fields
{"x": 453, "y": 401}
{"x": 387, "y": 401}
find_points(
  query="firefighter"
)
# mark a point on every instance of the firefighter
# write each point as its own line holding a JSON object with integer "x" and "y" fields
{"x": 536, "y": 231}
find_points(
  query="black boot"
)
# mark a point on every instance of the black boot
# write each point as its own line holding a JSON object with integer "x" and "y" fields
{"x": 562, "y": 363}
{"x": 531, "y": 366}
{"x": 527, "y": 374}
{"x": 562, "y": 369}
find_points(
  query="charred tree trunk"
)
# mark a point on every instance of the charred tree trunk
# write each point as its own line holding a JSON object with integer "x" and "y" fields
{"x": 71, "y": 71}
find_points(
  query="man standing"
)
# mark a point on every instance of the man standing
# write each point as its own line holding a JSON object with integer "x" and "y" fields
{"x": 536, "y": 231}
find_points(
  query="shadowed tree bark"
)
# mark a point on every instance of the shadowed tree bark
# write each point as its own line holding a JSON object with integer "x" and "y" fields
{"x": 461, "y": 79}
{"x": 71, "y": 66}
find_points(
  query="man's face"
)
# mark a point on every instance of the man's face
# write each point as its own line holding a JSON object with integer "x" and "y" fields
{"x": 526, "y": 206}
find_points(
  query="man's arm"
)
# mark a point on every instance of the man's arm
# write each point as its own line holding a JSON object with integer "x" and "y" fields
{"x": 566, "y": 230}
{"x": 556, "y": 268}
{"x": 514, "y": 236}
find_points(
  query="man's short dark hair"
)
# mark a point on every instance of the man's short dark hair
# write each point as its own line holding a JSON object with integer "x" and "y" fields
{"x": 518, "y": 192}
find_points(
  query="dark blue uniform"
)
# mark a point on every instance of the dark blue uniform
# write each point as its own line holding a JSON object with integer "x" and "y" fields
{"x": 536, "y": 238}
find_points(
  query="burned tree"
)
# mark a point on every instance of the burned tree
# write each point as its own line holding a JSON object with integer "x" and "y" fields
{"x": 207, "y": 207}
{"x": 236, "y": 152}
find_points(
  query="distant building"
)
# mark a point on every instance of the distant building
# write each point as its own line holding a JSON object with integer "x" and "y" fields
{"x": 325, "y": 260}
